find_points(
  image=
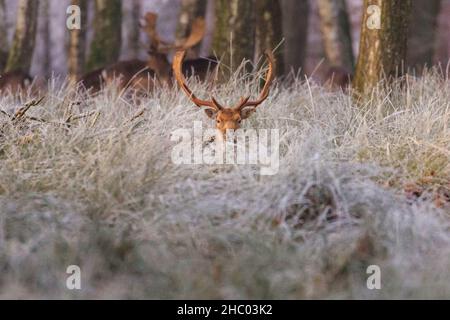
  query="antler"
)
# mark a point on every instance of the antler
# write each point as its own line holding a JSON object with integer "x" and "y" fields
{"x": 265, "y": 92}
{"x": 151, "y": 19}
{"x": 159, "y": 45}
{"x": 178, "y": 72}
{"x": 177, "y": 69}
{"x": 196, "y": 35}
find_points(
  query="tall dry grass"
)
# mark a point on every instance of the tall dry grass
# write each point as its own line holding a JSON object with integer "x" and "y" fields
{"x": 357, "y": 185}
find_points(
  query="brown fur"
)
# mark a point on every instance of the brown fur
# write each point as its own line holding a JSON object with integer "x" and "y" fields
{"x": 125, "y": 71}
{"x": 200, "y": 67}
{"x": 338, "y": 77}
{"x": 93, "y": 80}
{"x": 228, "y": 118}
{"x": 15, "y": 81}
{"x": 140, "y": 75}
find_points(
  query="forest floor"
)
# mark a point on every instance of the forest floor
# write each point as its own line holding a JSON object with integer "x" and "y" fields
{"x": 357, "y": 185}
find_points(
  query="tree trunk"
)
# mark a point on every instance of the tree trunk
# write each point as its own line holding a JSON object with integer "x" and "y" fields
{"x": 45, "y": 29}
{"x": 210, "y": 17}
{"x": 295, "y": 31}
{"x": 3, "y": 39}
{"x": 382, "y": 48}
{"x": 22, "y": 48}
{"x": 422, "y": 33}
{"x": 442, "y": 53}
{"x": 336, "y": 37}
{"x": 269, "y": 31}
{"x": 135, "y": 31}
{"x": 77, "y": 44}
{"x": 234, "y": 34}
{"x": 106, "y": 43}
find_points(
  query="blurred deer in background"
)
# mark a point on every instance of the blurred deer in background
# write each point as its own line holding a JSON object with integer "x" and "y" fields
{"x": 14, "y": 81}
{"x": 144, "y": 75}
{"x": 159, "y": 51}
{"x": 231, "y": 117}
{"x": 338, "y": 78}
{"x": 93, "y": 80}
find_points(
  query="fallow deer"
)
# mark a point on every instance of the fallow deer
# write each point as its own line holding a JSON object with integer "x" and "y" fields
{"x": 159, "y": 51}
{"x": 231, "y": 117}
{"x": 157, "y": 69}
{"x": 15, "y": 81}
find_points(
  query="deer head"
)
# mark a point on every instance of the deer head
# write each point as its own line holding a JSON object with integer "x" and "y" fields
{"x": 160, "y": 49}
{"x": 226, "y": 117}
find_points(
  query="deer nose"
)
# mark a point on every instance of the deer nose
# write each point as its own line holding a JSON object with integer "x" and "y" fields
{"x": 233, "y": 125}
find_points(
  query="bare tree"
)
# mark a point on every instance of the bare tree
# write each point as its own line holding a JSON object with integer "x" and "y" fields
{"x": 106, "y": 44}
{"x": 3, "y": 39}
{"x": 77, "y": 43}
{"x": 336, "y": 37}
{"x": 295, "y": 31}
{"x": 382, "y": 48}
{"x": 22, "y": 47}
{"x": 422, "y": 40}
{"x": 234, "y": 34}
{"x": 269, "y": 31}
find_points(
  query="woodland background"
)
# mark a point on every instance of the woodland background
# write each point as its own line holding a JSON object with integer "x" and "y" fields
{"x": 429, "y": 38}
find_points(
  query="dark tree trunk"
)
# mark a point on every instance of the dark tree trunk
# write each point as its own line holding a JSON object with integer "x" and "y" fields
{"x": 106, "y": 44}
{"x": 336, "y": 37}
{"x": 295, "y": 31}
{"x": 422, "y": 33}
{"x": 234, "y": 34}
{"x": 382, "y": 51}
{"x": 442, "y": 53}
{"x": 269, "y": 31}
{"x": 3, "y": 39}
{"x": 22, "y": 48}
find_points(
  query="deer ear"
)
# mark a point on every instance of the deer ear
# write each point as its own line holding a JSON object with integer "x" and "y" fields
{"x": 211, "y": 113}
{"x": 245, "y": 113}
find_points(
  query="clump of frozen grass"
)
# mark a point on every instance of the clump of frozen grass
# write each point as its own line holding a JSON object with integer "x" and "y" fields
{"x": 104, "y": 194}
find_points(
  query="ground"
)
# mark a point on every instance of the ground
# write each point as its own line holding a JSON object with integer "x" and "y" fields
{"x": 358, "y": 185}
